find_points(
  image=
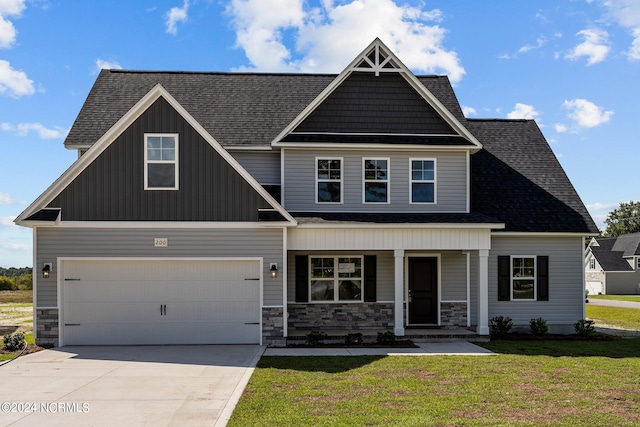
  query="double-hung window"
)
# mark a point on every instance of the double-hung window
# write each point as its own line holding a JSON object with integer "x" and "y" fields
{"x": 523, "y": 278}
{"x": 592, "y": 263}
{"x": 161, "y": 162}
{"x": 329, "y": 180}
{"x": 423, "y": 180}
{"x": 335, "y": 278}
{"x": 375, "y": 181}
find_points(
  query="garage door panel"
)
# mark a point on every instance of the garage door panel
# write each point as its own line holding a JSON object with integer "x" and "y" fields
{"x": 161, "y": 302}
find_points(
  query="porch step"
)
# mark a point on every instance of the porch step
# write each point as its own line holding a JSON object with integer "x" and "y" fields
{"x": 297, "y": 337}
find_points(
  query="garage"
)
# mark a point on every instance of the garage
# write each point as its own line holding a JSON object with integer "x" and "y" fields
{"x": 160, "y": 301}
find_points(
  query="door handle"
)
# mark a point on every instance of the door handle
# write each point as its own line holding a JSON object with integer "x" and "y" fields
{"x": 163, "y": 309}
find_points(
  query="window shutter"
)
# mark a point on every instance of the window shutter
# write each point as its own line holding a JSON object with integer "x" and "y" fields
{"x": 504, "y": 278}
{"x": 543, "y": 278}
{"x": 370, "y": 277}
{"x": 302, "y": 278}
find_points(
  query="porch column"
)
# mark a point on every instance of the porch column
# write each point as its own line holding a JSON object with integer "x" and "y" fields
{"x": 483, "y": 292}
{"x": 398, "y": 295}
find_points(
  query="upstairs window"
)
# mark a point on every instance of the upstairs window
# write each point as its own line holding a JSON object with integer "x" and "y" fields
{"x": 592, "y": 263}
{"x": 423, "y": 180}
{"x": 375, "y": 181}
{"x": 161, "y": 162}
{"x": 329, "y": 180}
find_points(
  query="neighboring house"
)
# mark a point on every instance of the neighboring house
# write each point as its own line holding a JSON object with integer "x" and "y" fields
{"x": 248, "y": 207}
{"x": 612, "y": 265}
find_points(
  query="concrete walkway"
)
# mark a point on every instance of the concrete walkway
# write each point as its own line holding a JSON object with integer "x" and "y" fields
{"x": 613, "y": 303}
{"x": 424, "y": 349}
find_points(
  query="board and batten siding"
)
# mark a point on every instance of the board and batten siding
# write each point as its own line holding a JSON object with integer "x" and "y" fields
{"x": 300, "y": 181}
{"x": 566, "y": 289}
{"x": 264, "y": 166}
{"x": 55, "y": 242}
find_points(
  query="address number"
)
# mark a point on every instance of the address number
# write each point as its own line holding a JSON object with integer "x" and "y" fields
{"x": 161, "y": 242}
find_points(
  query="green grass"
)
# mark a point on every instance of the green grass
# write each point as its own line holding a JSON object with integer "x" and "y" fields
{"x": 16, "y": 297}
{"x": 631, "y": 298}
{"x": 7, "y": 356}
{"x": 530, "y": 383}
{"x": 626, "y": 318}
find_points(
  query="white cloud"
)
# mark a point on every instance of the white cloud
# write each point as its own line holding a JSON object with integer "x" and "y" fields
{"x": 6, "y": 199}
{"x": 22, "y": 129}
{"x": 176, "y": 15}
{"x": 7, "y": 221}
{"x": 329, "y": 36}
{"x": 634, "y": 50}
{"x": 561, "y": 128}
{"x": 523, "y": 111}
{"x": 14, "y": 83}
{"x": 468, "y": 111}
{"x": 102, "y": 64}
{"x": 540, "y": 41}
{"x": 601, "y": 206}
{"x": 595, "y": 46}
{"x": 626, "y": 13}
{"x": 9, "y": 8}
{"x": 586, "y": 114}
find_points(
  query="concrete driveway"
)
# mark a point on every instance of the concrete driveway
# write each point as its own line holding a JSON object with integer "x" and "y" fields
{"x": 126, "y": 385}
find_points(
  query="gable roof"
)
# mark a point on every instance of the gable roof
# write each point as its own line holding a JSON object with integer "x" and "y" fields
{"x": 120, "y": 126}
{"x": 612, "y": 251}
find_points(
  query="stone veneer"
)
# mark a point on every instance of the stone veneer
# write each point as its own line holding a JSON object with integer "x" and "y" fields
{"x": 453, "y": 315}
{"x": 368, "y": 315}
{"x": 273, "y": 326}
{"x": 48, "y": 328}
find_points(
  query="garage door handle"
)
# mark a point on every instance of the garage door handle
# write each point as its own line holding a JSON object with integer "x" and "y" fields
{"x": 71, "y": 279}
{"x": 251, "y": 323}
{"x": 72, "y": 324}
{"x": 252, "y": 279}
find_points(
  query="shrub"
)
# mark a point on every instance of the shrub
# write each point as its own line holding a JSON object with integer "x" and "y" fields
{"x": 14, "y": 342}
{"x": 500, "y": 325}
{"x": 316, "y": 337}
{"x": 24, "y": 282}
{"x": 386, "y": 338}
{"x": 6, "y": 283}
{"x": 584, "y": 327}
{"x": 538, "y": 326}
{"x": 351, "y": 339}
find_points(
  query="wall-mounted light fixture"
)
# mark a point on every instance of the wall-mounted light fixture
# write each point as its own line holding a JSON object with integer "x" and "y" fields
{"x": 46, "y": 270}
{"x": 274, "y": 269}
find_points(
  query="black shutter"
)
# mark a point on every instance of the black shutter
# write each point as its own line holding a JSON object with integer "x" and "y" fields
{"x": 543, "y": 278}
{"x": 370, "y": 277}
{"x": 504, "y": 278}
{"x": 302, "y": 278}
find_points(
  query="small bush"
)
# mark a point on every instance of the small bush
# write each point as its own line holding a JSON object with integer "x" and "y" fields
{"x": 6, "y": 283}
{"x": 500, "y": 325}
{"x": 386, "y": 338}
{"x": 538, "y": 326}
{"x": 584, "y": 328}
{"x": 351, "y": 339}
{"x": 316, "y": 337}
{"x": 15, "y": 342}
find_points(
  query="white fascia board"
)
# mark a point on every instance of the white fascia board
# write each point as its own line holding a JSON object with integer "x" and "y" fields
{"x": 248, "y": 148}
{"x": 377, "y": 146}
{"x": 116, "y": 130}
{"x": 167, "y": 224}
{"x": 408, "y": 76}
{"x": 540, "y": 234}
{"x": 432, "y": 226}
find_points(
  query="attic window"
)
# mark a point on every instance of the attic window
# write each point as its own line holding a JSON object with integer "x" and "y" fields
{"x": 161, "y": 161}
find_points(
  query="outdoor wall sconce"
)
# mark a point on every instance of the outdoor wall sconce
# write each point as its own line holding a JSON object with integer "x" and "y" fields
{"x": 274, "y": 270}
{"x": 46, "y": 270}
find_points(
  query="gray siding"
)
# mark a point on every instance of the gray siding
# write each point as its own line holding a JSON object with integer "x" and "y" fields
{"x": 111, "y": 188}
{"x": 385, "y": 280}
{"x": 566, "y": 291}
{"x": 453, "y": 276}
{"x": 623, "y": 283}
{"x": 264, "y": 166}
{"x": 299, "y": 181}
{"x": 94, "y": 242}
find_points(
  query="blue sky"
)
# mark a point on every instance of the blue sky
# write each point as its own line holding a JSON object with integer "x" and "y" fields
{"x": 573, "y": 65}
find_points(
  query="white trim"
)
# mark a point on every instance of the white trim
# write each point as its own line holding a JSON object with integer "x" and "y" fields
{"x": 369, "y": 134}
{"x": 375, "y": 146}
{"x": 47, "y": 308}
{"x": 468, "y": 181}
{"x": 271, "y": 306}
{"x": 285, "y": 281}
{"x": 538, "y": 234}
{"x": 386, "y": 181}
{"x": 584, "y": 284}
{"x": 35, "y": 273}
{"x": 248, "y": 148}
{"x": 60, "y": 279}
{"x": 175, "y": 161}
{"x": 426, "y": 225}
{"x": 436, "y": 255}
{"x": 398, "y": 292}
{"x": 483, "y": 292}
{"x": 330, "y": 159}
{"x": 165, "y": 224}
{"x": 423, "y": 181}
{"x": 468, "y": 259}
{"x": 535, "y": 278}
{"x": 282, "y": 183}
{"x": 121, "y": 125}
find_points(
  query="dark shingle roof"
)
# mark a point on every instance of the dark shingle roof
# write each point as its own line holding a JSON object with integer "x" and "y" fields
{"x": 628, "y": 244}
{"x": 612, "y": 251}
{"x": 392, "y": 218}
{"x": 517, "y": 179}
{"x": 611, "y": 261}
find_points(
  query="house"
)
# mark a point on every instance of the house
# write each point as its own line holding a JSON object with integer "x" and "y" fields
{"x": 246, "y": 207}
{"x": 612, "y": 265}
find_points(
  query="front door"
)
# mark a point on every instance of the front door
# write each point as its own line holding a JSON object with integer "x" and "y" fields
{"x": 423, "y": 290}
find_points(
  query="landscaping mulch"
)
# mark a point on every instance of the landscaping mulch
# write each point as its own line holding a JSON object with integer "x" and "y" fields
{"x": 515, "y": 336}
{"x": 397, "y": 344}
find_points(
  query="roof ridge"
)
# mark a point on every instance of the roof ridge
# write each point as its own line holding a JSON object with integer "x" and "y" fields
{"x": 230, "y": 73}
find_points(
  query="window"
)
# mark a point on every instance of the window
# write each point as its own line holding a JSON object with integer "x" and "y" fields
{"x": 375, "y": 181}
{"x": 523, "y": 277}
{"x": 423, "y": 180}
{"x": 592, "y": 263}
{"x": 334, "y": 279}
{"x": 329, "y": 180}
{"x": 638, "y": 263}
{"x": 161, "y": 162}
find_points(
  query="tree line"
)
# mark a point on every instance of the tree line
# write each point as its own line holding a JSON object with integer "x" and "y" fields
{"x": 623, "y": 220}
{"x": 13, "y": 279}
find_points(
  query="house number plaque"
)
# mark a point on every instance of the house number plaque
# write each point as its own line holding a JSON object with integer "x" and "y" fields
{"x": 161, "y": 242}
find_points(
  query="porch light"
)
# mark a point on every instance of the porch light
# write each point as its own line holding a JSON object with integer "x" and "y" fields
{"x": 46, "y": 270}
{"x": 274, "y": 270}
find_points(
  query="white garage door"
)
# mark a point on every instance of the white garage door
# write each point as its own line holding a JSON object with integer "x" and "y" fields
{"x": 161, "y": 302}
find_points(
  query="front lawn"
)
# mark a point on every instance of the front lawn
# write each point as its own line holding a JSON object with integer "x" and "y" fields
{"x": 626, "y": 318}
{"x": 13, "y": 297}
{"x": 531, "y": 383}
{"x": 631, "y": 298}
